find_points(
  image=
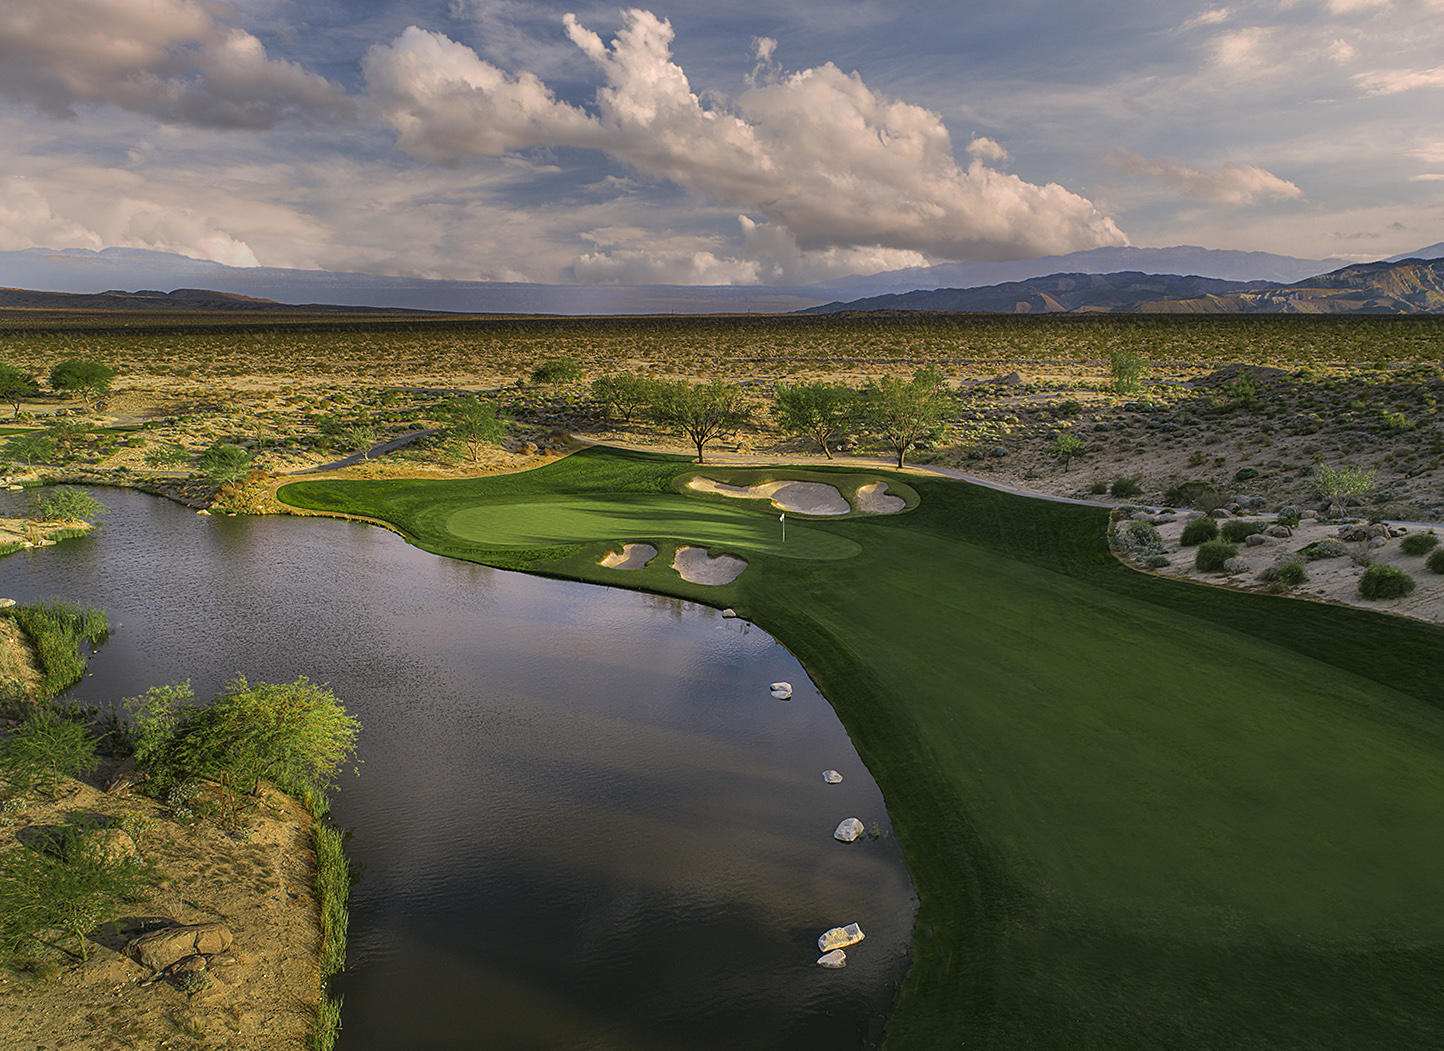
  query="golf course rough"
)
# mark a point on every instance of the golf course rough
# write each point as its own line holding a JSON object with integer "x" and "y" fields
{"x": 1138, "y": 812}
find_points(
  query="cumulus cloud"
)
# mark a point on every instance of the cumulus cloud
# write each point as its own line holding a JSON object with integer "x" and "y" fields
{"x": 816, "y": 151}
{"x": 1235, "y": 184}
{"x": 985, "y": 149}
{"x": 169, "y": 59}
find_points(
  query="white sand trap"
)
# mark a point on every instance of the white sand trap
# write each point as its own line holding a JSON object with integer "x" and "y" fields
{"x": 874, "y": 499}
{"x": 803, "y": 498}
{"x": 695, "y": 565}
{"x": 632, "y": 556}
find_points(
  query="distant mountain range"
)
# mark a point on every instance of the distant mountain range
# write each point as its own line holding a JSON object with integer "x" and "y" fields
{"x": 83, "y": 271}
{"x": 182, "y": 299}
{"x": 1411, "y": 286}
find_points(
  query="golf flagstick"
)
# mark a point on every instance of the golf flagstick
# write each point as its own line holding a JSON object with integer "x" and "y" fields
{"x": 783, "y": 519}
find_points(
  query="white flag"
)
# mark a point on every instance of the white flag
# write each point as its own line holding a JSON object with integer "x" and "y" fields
{"x": 782, "y": 518}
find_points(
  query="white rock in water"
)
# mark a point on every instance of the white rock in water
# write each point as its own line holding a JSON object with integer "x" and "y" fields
{"x": 849, "y": 830}
{"x": 840, "y": 938}
{"x": 729, "y": 613}
{"x": 781, "y": 690}
{"x": 832, "y": 777}
{"x": 835, "y": 959}
{"x": 6, "y": 603}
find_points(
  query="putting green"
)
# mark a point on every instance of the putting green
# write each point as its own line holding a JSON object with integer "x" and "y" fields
{"x": 568, "y": 519}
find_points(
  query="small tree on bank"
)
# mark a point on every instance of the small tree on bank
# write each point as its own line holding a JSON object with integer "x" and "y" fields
{"x": 902, "y": 412}
{"x": 16, "y": 384}
{"x": 31, "y": 447}
{"x": 1065, "y": 446}
{"x": 1340, "y": 483}
{"x": 702, "y": 412}
{"x": 66, "y": 504}
{"x": 820, "y": 411}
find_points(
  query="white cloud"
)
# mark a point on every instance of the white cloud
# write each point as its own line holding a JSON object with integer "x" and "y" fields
{"x": 1235, "y": 184}
{"x": 1342, "y": 51}
{"x": 985, "y": 149}
{"x": 166, "y": 58}
{"x": 1212, "y": 17}
{"x": 1427, "y": 177}
{"x": 1394, "y": 81}
{"x": 1244, "y": 49}
{"x": 814, "y": 151}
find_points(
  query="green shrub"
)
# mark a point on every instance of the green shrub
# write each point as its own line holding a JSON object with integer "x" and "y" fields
{"x": 42, "y": 750}
{"x": 1435, "y": 562}
{"x": 1290, "y": 574}
{"x": 1380, "y": 581}
{"x": 1123, "y": 488}
{"x": 1212, "y": 554}
{"x": 1419, "y": 543}
{"x": 1199, "y": 530}
{"x": 556, "y": 370}
{"x": 1196, "y": 493}
{"x": 1236, "y": 531}
{"x": 65, "y": 504}
{"x": 1329, "y": 547}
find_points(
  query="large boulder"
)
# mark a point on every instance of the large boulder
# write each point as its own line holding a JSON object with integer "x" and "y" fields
{"x": 835, "y": 959}
{"x": 781, "y": 690}
{"x": 159, "y": 949}
{"x": 832, "y": 777}
{"x": 850, "y": 829}
{"x": 840, "y": 938}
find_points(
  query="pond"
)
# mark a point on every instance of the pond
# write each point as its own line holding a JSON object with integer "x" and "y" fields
{"x": 581, "y": 820}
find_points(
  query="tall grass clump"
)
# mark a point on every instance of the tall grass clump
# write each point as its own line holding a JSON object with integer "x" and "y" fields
{"x": 1419, "y": 543}
{"x": 328, "y": 1024}
{"x": 57, "y": 628}
{"x": 333, "y": 890}
{"x": 1199, "y": 530}
{"x": 1235, "y": 530}
{"x": 1380, "y": 581}
{"x": 1212, "y": 554}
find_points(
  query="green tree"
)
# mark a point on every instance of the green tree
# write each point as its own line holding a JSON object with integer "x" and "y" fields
{"x": 42, "y": 750}
{"x": 67, "y": 890}
{"x": 152, "y": 722}
{"x": 224, "y": 462}
{"x": 1127, "y": 369}
{"x": 30, "y": 447}
{"x": 296, "y": 735}
{"x": 66, "y": 504}
{"x": 820, "y": 411}
{"x": 702, "y": 412}
{"x": 360, "y": 436}
{"x": 623, "y": 394}
{"x": 902, "y": 412}
{"x": 88, "y": 380}
{"x": 1340, "y": 483}
{"x": 1065, "y": 446}
{"x": 16, "y": 384}
{"x": 471, "y": 423}
{"x": 69, "y": 435}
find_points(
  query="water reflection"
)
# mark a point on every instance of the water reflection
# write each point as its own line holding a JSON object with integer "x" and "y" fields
{"x": 582, "y": 819}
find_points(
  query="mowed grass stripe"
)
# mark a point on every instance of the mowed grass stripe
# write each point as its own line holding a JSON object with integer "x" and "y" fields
{"x": 1138, "y": 812}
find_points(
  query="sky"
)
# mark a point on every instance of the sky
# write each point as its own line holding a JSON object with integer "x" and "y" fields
{"x": 698, "y": 142}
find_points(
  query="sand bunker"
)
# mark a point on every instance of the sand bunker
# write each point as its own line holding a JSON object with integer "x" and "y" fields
{"x": 695, "y": 565}
{"x": 804, "y": 498}
{"x": 632, "y": 556}
{"x": 874, "y": 499}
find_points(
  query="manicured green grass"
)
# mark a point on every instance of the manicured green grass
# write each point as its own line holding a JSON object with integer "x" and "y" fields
{"x": 1138, "y": 812}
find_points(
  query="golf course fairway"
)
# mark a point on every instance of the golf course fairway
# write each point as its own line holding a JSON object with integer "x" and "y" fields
{"x": 1138, "y": 812}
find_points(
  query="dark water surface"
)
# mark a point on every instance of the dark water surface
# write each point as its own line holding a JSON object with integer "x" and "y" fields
{"x": 581, "y": 820}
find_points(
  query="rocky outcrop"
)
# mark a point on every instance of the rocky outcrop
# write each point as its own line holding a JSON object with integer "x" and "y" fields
{"x": 849, "y": 830}
{"x": 160, "y": 949}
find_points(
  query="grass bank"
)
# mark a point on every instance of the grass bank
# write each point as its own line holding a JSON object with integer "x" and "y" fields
{"x": 1138, "y": 812}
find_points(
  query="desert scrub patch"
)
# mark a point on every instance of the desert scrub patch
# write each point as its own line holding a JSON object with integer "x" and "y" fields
{"x": 1289, "y": 574}
{"x": 1198, "y": 531}
{"x": 1435, "y": 562}
{"x": 1213, "y": 555}
{"x": 1123, "y": 488}
{"x": 1419, "y": 543}
{"x": 1381, "y": 581}
{"x": 1236, "y": 531}
{"x": 1329, "y": 547}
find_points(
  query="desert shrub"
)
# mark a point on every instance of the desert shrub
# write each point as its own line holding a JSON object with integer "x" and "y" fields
{"x": 556, "y": 370}
{"x": 1156, "y": 561}
{"x": 1194, "y": 493}
{"x": 1123, "y": 488}
{"x": 1199, "y": 530}
{"x": 1290, "y": 574}
{"x": 1213, "y": 554}
{"x": 1419, "y": 543}
{"x": 1435, "y": 561}
{"x": 1098, "y": 488}
{"x": 1381, "y": 581}
{"x": 1070, "y": 407}
{"x": 42, "y": 750}
{"x": 1144, "y": 533}
{"x": 1329, "y": 547}
{"x": 1236, "y": 531}
{"x": 225, "y": 462}
{"x": 62, "y": 892}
